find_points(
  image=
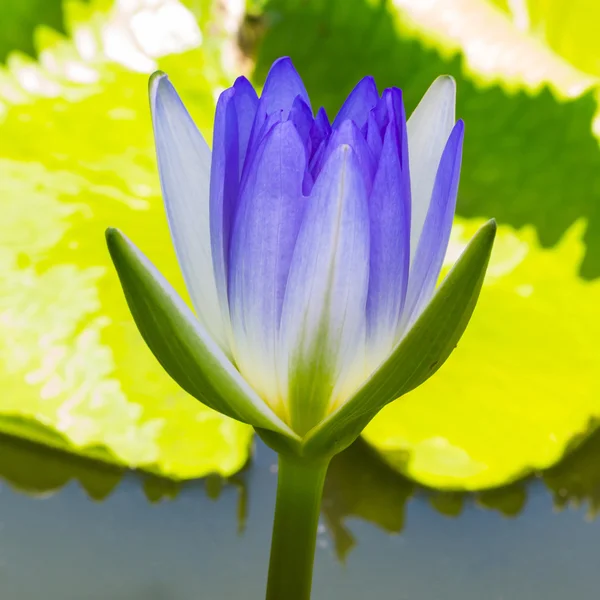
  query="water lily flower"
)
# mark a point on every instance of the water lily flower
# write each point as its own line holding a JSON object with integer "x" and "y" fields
{"x": 311, "y": 251}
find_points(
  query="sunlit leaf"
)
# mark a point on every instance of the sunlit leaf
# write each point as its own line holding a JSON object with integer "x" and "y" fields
{"x": 522, "y": 383}
{"x": 569, "y": 27}
{"x": 494, "y": 40}
{"x": 76, "y": 157}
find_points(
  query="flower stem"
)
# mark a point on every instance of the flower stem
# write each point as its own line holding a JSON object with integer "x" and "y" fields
{"x": 299, "y": 492}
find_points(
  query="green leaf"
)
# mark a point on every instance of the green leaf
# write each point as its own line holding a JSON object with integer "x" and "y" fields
{"x": 569, "y": 27}
{"x": 521, "y": 386}
{"x": 19, "y": 20}
{"x": 77, "y": 156}
{"x": 419, "y": 355}
{"x": 181, "y": 344}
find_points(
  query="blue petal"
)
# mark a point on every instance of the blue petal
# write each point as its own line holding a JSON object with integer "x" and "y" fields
{"x": 373, "y": 136}
{"x": 323, "y": 319}
{"x": 389, "y": 210}
{"x": 246, "y": 105}
{"x": 320, "y": 130}
{"x": 427, "y": 263}
{"x": 266, "y": 125}
{"x": 348, "y": 133}
{"x": 302, "y": 118}
{"x": 184, "y": 164}
{"x": 267, "y": 222}
{"x": 359, "y": 103}
{"x": 317, "y": 161}
{"x": 397, "y": 117}
{"x": 381, "y": 113}
{"x": 282, "y": 86}
{"x": 224, "y": 188}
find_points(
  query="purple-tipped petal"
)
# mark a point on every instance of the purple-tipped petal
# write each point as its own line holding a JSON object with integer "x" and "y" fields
{"x": 316, "y": 160}
{"x": 224, "y": 188}
{"x": 246, "y": 105}
{"x": 373, "y": 136}
{"x": 389, "y": 210}
{"x": 184, "y": 164}
{"x": 302, "y": 118}
{"x": 320, "y": 130}
{"x": 427, "y": 263}
{"x": 349, "y": 134}
{"x": 267, "y": 222}
{"x": 323, "y": 315}
{"x": 266, "y": 125}
{"x": 282, "y": 86}
{"x": 381, "y": 113}
{"x": 397, "y": 118}
{"x": 362, "y": 99}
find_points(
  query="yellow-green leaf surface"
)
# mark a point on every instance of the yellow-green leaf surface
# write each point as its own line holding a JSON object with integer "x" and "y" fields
{"x": 569, "y": 27}
{"x": 76, "y": 156}
{"x": 521, "y": 384}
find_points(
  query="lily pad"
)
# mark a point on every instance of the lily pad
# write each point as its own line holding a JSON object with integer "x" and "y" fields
{"x": 522, "y": 385}
{"x": 78, "y": 156}
{"x": 569, "y": 27}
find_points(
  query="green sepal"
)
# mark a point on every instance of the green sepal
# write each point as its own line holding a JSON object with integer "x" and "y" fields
{"x": 419, "y": 355}
{"x": 200, "y": 367}
{"x": 180, "y": 343}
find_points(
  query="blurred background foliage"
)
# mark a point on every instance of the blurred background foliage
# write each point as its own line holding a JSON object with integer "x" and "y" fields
{"x": 76, "y": 156}
{"x": 20, "y": 19}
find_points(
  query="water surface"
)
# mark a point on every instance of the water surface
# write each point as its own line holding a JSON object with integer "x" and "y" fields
{"x": 73, "y": 530}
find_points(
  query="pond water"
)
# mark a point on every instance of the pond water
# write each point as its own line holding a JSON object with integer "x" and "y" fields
{"x": 75, "y": 530}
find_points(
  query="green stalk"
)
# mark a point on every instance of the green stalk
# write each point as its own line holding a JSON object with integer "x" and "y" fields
{"x": 299, "y": 492}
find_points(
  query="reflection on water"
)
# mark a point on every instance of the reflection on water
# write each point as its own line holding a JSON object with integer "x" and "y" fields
{"x": 76, "y": 523}
{"x": 576, "y": 480}
{"x": 359, "y": 485}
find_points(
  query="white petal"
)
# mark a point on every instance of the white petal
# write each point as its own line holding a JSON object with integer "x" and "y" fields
{"x": 184, "y": 168}
{"x": 269, "y": 215}
{"x": 428, "y": 128}
{"x": 180, "y": 342}
{"x": 323, "y": 319}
